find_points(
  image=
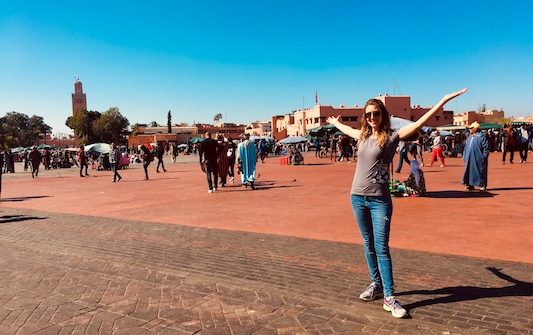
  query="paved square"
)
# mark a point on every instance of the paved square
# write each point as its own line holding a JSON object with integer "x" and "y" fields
{"x": 164, "y": 257}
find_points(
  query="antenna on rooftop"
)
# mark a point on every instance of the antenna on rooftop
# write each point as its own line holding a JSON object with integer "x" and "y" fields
{"x": 395, "y": 86}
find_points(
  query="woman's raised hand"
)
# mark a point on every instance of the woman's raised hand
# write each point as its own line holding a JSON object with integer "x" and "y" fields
{"x": 453, "y": 95}
{"x": 333, "y": 119}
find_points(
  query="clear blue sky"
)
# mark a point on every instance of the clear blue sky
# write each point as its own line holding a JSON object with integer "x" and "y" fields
{"x": 252, "y": 59}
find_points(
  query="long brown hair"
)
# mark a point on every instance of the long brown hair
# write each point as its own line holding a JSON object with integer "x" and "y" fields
{"x": 383, "y": 129}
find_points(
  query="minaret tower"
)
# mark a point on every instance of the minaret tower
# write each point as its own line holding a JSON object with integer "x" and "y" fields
{"x": 79, "y": 100}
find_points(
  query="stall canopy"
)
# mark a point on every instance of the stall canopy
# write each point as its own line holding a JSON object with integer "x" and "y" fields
{"x": 293, "y": 140}
{"x": 452, "y": 127}
{"x": 99, "y": 148}
{"x": 322, "y": 130}
{"x": 398, "y": 122}
{"x": 194, "y": 140}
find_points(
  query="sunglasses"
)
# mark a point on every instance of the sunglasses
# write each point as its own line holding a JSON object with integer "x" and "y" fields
{"x": 375, "y": 114}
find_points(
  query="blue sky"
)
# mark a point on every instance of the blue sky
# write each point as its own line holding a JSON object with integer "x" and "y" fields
{"x": 250, "y": 60}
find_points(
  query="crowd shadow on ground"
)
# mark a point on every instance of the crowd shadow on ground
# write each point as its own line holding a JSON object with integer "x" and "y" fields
{"x": 18, "y": 199}
{"x": 18, "y": 218}
{"x": 468, "y": 293}
{"x": 259, "y": 186}
{"x": 460, "y": 194}
{"x": 511, "y": 188}
{"x": 314, "y": 164}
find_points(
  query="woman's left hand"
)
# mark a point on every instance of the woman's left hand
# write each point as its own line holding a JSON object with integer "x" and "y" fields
{"x": 333, "y": 120}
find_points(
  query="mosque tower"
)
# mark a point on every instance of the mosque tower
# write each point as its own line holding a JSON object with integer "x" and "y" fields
{"x": 79, "y": 99}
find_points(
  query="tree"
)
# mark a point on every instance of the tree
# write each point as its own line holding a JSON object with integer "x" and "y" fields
{"x": 111, "y": 126}
{"x": 154, "y": 124}
{"x": 169, "y": 122}
{"x": 82, "y": 124}
{"x": 37, "y": 127}
{"x": 17, "y": 129}
{"x": 93, "y": 126}
{"x": 217, "y": 117}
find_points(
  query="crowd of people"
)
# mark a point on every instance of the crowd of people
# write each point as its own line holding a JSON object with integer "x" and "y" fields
{"x": 49, "y": 158}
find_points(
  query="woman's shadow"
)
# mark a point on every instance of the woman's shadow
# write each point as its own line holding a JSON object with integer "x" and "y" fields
{"x": 466, "y": 293}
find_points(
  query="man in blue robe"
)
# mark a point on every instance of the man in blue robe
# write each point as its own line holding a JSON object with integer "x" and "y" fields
{"x": 476, "y": 158}
{"x": 247, "y": 158}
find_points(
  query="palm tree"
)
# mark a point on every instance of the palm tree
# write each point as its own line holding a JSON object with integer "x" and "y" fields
{"x": 218, "y": 117}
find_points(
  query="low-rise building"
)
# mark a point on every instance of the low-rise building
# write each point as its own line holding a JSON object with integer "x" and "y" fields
{"x": 181, "y": 134}
{"x": 488, "y": 116}
{"x": 228, "y": 129}
{"x": 299, "y": 122}
{"x": 146, "y": 135}
{"x": 259, "y": 128}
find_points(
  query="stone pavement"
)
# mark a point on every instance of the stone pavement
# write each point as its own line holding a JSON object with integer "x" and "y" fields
{"x": 74, "y": 274}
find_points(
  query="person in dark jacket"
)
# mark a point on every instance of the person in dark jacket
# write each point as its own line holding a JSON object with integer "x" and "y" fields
{"x": 208, "y": 157}
{"x": 35, "y": 159}
{"x": 232, "y": 148}
{"x": 82, "y": 159}
{"x": 147, "y": 158}
{"x": 508, "y": 143}
{"x": 159, "y": 151}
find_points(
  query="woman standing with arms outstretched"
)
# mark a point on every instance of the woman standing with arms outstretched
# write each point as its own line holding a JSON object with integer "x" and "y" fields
{"x": 370, "y": 195}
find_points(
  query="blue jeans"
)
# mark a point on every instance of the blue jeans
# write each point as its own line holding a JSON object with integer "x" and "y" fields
{"x": 373, "y": 216}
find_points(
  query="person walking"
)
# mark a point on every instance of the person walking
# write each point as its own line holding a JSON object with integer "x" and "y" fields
{"x": 476, "y": 158}
{"x": 159, "y": 152}
{"x": 415, "y": 149}
{"x": 403, "y": 149}
{"x": 35, "y": 160}
{"x": 370, "y": 195}
{"x": 508, "y": 143}
{"x": 437, "y": 150}
{"x": 523, "y": 137}
{"x": 208, "y": 153}
{"x": 247, "y": 158}
{"x": 232, "y": 148}
{"x": 82, "y": 159}
{"x": 147, "y": 157}
{"x": 175, "y": 152}
{"x": 316, "y": 144}
{"x": 114, "y": 161}
{"x": 222, "y": 160}
{"x": 26, "y": 159}
{"x": 10, "y": 162}
{"x": 333, "y": 143}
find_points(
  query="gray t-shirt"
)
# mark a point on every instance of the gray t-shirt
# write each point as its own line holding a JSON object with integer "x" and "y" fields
{"x": 372, "y": 174}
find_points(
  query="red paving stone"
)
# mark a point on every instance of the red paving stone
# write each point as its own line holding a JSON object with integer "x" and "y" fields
{"x": 309, "y": 201}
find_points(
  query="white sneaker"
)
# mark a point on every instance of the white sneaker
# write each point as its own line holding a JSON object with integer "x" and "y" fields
{"x": 210, "y": 191}
{"x": 394, "y": 306}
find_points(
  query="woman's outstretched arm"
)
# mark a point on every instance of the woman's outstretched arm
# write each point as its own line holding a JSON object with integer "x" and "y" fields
{"x": 410, "y": 129}
{"x": 353, "y": 133}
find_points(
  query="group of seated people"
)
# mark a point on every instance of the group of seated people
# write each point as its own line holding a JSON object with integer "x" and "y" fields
{"x": 414, "y": 185}
{"x": 295, "y": 156}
